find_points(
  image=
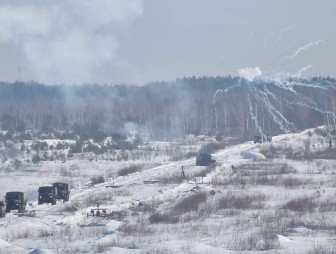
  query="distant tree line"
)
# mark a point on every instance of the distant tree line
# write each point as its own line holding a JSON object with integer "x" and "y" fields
{"x": 205, "y": 105}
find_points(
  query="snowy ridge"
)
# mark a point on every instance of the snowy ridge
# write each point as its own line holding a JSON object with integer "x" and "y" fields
{"x": 215, "y": 209}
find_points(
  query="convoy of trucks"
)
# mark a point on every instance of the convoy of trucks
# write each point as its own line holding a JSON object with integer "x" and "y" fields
{"x": 16, "y": 200}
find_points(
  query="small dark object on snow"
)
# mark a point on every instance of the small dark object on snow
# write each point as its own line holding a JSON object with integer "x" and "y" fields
{"x": 204, "y": 159}
{"x": 150, "y": 181}
{"x": 234, "y": 169}
{"x": 182, "y": 174}
{"x": 112, "y": 186}
{"x": 330, "y": 143}
{"x": 212, "y": 192}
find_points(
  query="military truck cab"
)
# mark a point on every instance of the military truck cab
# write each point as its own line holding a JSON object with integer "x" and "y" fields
{"x": 204, "y": 159}
{"x": 2, "y": 209}
{"x": 16, "y": 200}
{"x": 63, "y": 191}
{"x": 269, "y": 138}
{"x": 257, "y": 139}
{"x": 47, "y": 194}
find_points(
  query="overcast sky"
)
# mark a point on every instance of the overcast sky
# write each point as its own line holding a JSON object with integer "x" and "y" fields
{"x": 137, "y": 41}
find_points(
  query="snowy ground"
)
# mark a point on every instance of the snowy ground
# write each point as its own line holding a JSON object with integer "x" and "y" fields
{"x": 280, "y": 199}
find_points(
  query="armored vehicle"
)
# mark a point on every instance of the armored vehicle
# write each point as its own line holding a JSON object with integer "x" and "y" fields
{"x": 2, "y": 209}
{"x": 257, "y": 139}
{"x": 63, "y": 191}
{"x": 47, "y": 194}
{"x": 16, "y": 200}
{"x": 204, "y": 159}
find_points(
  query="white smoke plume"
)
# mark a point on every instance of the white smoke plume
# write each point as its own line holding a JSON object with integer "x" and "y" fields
{"x": 69, "y": 41}
{"x": 250, "y": 73}
{"x": 303, "y": 48}
{"x": 302, "y": 70}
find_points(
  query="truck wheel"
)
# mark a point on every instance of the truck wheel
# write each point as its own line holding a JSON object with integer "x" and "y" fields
{"x": 20, "y": 210}
{"x": 39, "y": 202}
{"x": 8, "y": 210}
{"x": 54, "y": 202}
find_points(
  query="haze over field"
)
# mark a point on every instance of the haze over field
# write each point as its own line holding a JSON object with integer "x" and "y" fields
{"x": 137, "y": 41}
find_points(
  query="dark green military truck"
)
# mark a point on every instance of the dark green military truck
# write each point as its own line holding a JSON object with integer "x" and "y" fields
{"x": 63, "y": 191}
{"x": 47, "y": 194}
{"x": 2, "y": 209}
{"x": 16, "y": 200}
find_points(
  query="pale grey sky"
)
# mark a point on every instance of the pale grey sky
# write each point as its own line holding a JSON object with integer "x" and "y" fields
{"x": 137, "y": 41}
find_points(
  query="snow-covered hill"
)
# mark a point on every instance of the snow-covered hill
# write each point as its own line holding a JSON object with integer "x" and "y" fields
{"x": 275, "y": 197}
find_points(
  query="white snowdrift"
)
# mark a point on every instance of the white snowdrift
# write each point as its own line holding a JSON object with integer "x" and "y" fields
{"x": 40, "y": 251}
{"x": 6, "y": 247}
{"x": 4, "y": 244}
{"x": 253, "y": 156}
{"x": 274, "y": 239}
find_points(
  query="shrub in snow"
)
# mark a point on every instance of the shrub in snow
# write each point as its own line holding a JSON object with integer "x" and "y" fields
{"x": 97, "y": 179}
{"x": 129, "y": 170}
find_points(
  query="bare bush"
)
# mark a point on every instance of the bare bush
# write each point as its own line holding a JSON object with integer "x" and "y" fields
{"x": 129, "y": 170}
{"x": 243, "y": 243}
{"x": 266, "y": 168}
{"x": 190, "y": 203}
{"x": 327, "y": 206}
{"x": 204, "y": 171}
{"x": 328, "y": 154}
{"x": 163, "y": 218}
{"x": 302, "y": 204}
{"x": 67, "y": 207}
{"x": 103, "y": 246}
{"x": 212, "y": 147}
{"x": 95, "y": 199}
{"x": 277, "y": 222}
{"x": 170, "y": 178}
{"x": 318, "y": 249}
{"x": 241, "y": 201}
{"x": 140, "y": 227}
{"x": 97, "y": 179}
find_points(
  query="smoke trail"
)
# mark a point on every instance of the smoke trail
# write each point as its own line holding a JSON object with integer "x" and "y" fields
{"x": 254, "y": 117}
{"x": 303, "y": 48}
{"x": 66, "y": 40}
{"x": 224, "y": 91}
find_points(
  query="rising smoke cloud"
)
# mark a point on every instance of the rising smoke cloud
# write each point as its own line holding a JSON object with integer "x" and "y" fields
{"x": 250, "y": 73}
{"x": 66, "y": 40}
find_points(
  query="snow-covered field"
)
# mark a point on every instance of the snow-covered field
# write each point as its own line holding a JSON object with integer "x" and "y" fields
{"x": 278, "y": 198}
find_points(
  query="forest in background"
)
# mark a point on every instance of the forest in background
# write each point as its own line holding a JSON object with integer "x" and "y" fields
{"x": 228, "y": 106}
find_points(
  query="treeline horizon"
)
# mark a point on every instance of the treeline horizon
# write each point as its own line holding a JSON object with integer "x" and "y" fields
{"x": 229, "y": 106}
